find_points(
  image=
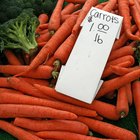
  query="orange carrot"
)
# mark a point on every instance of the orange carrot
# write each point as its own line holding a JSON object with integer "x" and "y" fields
{"x": 4, "y": 83}
{"x": 43, "y": 31}
{"x": 136, "y": 96}
{"x": 64, "y": 50}
{"x": 55, "y": 19}
{"x": 123, "y": 39}
{"x": 68, "y": 9}
{"x": 17, "y": 132}
{"x": 43, "y": 37}
{"x": 110, "y": 5}
{"x": 43, "y": 18}
{"x": 122, "y": 106}
{"x": 131, "y": 2}
{"x": 62, "y": 135}
{"x": 126, "y": 50}
{"x": 41, "y": 44}
{"x": 117, "y": 82}
{"x": 52, "y": 125}
{"x": 123, "y": 6}
{"x": 43, "y": 26}
{"x": 33, "y": 111}
{"x": 86, "y": 7}
{"x": 129, "y": 93}
{"x": 103, "y": 109}
{"x": 62, "y": 33}
{"x": 11, "y": 57}
{"x": 108, "y": 129}
{"x": 9, "y": 98}
{"x": 42, "y": 72}
{"x": 9, "y": 90}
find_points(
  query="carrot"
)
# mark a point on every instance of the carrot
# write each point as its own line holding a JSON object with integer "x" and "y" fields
{"x": 11, "y": 57}
{"x": 117, "y": 82}
{"x": 35, "y": 81}
{"x": 52, "y": 125}
{"x": 17, "y": 132}
{"x": 123, "y": 6}
{"x": 108, "y": 129}
{"x": 122, "y": 70}
{"x": 43, "y": 18}
{"x": 55, "y": 19}
{"x": 123, "y": 39}
{"x": 122, "y": 106}
{"x": 103, "y": 109}
{"x": 43, "y": 37}
{"x": 33, "y": 111}
{"x": 62, "y": 33}
{"x": 64, "y": 50}
{"x": 42, "y": 72}
{"x": 63, "y": 135}
{"x": 43, "y": 26}
{"x": 23, "y": 86}
{"x": 136, "y": 96}
{"x": 131, "y": 2}
{"x": 43, "y": 31}
{"x": 9, "y": 90}
{"x": 101, "y": 5}
{"x": 137, "y": 4}
{"x": 41, "y": 44}
{"x": 68, "y": 9}
{"x": 126, "y": 50}
{"x": 4, "y": 83}
{"x": 76, "y": 1}
{"x": 121, "y": 59}
{"x": 86, "y": 7}
{"x": 8, "y": 98}
{"x": 110, "y": 5}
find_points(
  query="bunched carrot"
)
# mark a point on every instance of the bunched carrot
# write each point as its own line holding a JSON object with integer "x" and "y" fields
{"x": 63, "y": 135}
{"x": 55, "y": 19}
{"x": 42, "y": 72}
{"x": 107, "y": 129}
{"x": 17, "y": 132}
{"x": 52, "y": 125}
{"x": 136, "y": 96}
{"x": 33, "y": 111}
{"x": 8, "y": 98}
{"x": 122, "y": 106}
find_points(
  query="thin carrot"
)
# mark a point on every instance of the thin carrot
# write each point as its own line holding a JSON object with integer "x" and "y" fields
{"x": 123, "y": 6}
{"x": 52, "y": 125}
{"x": 108, "y": 129}
{"x": 110, "y": 5}
{"x": 9, "y": 98}
{"x": 11, "y": 57}
{"x": 117, "y": 82}
{"x": 126, "y": 50}
{"x": 123, "y": 39}
{"x": 63, "y": 135}
{"x": 43, "y": 18}
{"x": 33, "y": 111}
{"x": 64, "y": 50}
{"x": 86, "y": 7}
{"x": 42, "y": 72}
{"x": 122, "y": 106}
{"x": 136, "y": 96}
{"x": 103, "y": 109}
{"x": 17, "y": 132}
{"x": 62, "y": 33}
{"x": 55, "y": 19}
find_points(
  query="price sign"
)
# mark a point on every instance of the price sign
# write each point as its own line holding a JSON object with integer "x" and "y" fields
{"x": 81, "y": 76}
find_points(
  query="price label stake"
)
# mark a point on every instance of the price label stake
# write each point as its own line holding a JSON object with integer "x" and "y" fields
{"x": 81, "y": 76}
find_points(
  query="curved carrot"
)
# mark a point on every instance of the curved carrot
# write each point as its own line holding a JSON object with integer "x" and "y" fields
{"x": 86, "y": 7}
{"x": 17, "y": 132}
{"x": 33, "y": 111}
{"x": 117, "y": 82}
{"x": 124, "y": 11}
{"x": 62, "y": 135}
{"x": 11, "y": 57}
{"x": 122, "y": 106}
{"x": 108, "y": 129}
{"x": 110, "y": 5}
{"x": 52, "y": 125}
{"x": 55, "y": 19}
{"x": 136, "y": 96}
{"x": 7, "y": 98}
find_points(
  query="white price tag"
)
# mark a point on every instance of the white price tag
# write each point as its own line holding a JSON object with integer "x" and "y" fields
{"x": 80, "y": 78}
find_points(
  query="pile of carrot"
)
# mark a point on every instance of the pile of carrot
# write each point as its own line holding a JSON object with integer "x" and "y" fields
{"x": 27, "y": 92}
